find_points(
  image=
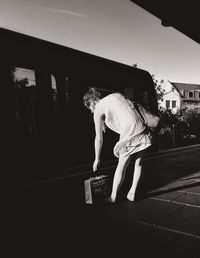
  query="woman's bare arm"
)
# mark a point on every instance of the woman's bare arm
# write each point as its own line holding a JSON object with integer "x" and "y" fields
{"x": 98, "y": 142}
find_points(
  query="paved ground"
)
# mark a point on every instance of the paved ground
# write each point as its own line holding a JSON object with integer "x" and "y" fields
{"x": 46, "y": 219}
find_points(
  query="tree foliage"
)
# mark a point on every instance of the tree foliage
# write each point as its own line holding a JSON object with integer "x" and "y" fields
{"x": 179, "y": 129}
{"x": 158, "y": 87}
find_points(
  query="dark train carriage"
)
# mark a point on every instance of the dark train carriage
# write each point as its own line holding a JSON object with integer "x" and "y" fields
{"x": 46, "y": 130}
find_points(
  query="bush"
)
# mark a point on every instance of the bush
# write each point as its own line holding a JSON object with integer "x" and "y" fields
{"x": 180, "y": 129}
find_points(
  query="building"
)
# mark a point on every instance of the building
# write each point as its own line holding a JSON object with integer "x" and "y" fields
{"x": 179, "y": 96}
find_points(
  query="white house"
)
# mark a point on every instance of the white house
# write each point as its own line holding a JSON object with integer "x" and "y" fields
{"x": 180, "y": 96}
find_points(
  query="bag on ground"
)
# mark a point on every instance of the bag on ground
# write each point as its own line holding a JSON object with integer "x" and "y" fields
{"x": 96, "y": 188}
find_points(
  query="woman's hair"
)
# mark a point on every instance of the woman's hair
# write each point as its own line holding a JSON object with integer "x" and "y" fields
{"x": 91, "y": 95}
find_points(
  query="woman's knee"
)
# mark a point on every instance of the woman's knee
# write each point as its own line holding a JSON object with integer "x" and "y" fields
{"x": 139, "y": 162}
{"x": 123, "y": 161}
{"x": 139, "y": 157}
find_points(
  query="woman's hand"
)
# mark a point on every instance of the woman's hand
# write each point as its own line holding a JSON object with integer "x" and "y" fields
{"x": 96, "y": 164}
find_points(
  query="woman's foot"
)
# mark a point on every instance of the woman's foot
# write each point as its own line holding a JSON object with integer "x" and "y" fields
{"x": 131, "y": 197}
{"x": 110, "y": 199}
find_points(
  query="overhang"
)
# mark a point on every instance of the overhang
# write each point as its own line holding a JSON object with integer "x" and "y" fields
{"x": 181, "y": 15}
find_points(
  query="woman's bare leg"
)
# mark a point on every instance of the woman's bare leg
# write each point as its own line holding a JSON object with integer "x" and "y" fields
{"x": 136, "y": 175}
{"x": 119, "y": 176}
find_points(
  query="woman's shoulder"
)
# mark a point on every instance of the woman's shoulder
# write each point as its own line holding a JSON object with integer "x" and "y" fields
{"x": 111, "y": 98}
{"x": 113, "y": 95}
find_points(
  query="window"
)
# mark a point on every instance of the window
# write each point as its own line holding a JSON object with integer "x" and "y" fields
{"x": 190, "y": 94}
{"x": 173, "y": 103}
{"x": 167, "y": 103}
{"x": 26, "y": 99}
{"x": 186, "y": 94}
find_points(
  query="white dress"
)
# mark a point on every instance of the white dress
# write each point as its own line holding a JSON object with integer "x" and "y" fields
{"x": 124, "y": 120}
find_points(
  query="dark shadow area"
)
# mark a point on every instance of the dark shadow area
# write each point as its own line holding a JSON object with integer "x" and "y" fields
{"x": 53, "y": 218}
{"x": 159, "y": 172}
{"x": 170, "y": 190}
{"x": 46, "y": 130}
{"x": 163, "y": 171}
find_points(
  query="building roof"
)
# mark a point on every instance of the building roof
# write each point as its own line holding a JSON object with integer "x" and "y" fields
{"x": 185, "y": 86}
{"x": 188, "y": 87}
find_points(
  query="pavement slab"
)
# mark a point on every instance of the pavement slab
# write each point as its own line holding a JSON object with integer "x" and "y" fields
{"x": 167, "y": 196}
{"x": 185, "y": 220}
{"x": 152, "y": 211}
{"x": 189, "y": 199}
{"x": 191, "y": 250}
{"x": 181, "y": 185}
{"x": 150, "y": 241}
{"x": 194, "y": 189}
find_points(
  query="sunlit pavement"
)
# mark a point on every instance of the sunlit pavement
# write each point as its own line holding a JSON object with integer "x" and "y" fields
{"x": 164, "y": 221}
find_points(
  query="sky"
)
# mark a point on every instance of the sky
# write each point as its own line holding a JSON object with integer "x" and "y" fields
{"x": 118, "y": 30}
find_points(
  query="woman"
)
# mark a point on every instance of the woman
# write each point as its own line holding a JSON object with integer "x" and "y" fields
{"x": 134, "y": 138}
